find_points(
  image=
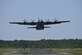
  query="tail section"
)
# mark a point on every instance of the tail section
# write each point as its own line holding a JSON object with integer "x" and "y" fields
{"x": 39, "y": 28}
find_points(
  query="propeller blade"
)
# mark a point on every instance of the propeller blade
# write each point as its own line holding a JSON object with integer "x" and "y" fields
{"x": 47, "y": 20}
{"x": 25, "y": 20}
{"x": 32, "y": 20}
{"x": 55, "y": 20}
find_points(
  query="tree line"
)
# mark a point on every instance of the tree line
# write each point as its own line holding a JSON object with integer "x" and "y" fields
{"x": 64, "y": 43}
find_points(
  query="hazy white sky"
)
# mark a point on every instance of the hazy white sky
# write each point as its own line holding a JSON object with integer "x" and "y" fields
{"x": 17, "y": 10}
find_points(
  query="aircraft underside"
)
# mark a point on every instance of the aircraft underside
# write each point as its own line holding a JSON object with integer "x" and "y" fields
{"x": 40, "y": 24}
{"x": 40, "y": 27}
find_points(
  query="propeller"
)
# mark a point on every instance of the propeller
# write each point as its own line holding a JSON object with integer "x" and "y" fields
{"x": 55, "y": 20}
{"x": 47, "y": 20}
{"x": 32, "y": 20}
{"x": 38, "y": 19}
{"x": 24, "y": 20}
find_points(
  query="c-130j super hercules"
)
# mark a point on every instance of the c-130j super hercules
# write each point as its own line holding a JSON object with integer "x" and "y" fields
{"x": 40, "y": 24}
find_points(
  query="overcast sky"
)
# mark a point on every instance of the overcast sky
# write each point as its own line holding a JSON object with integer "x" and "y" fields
{"x": 18, "y": 10}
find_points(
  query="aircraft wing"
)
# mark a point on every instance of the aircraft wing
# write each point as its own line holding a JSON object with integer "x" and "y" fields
{"x": 55, "y": 22}
{"x": 35, "y": 23}
{"x": 24, "y": 23}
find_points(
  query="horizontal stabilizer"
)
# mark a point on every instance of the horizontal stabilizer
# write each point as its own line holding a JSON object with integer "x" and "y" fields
{"x": 35, "y": 27}
{"x": 47, "y": 27}
{"x": 31, "y": 27}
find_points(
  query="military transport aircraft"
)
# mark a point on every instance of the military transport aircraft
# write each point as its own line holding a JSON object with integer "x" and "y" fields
{"x": 39, "y": 24}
